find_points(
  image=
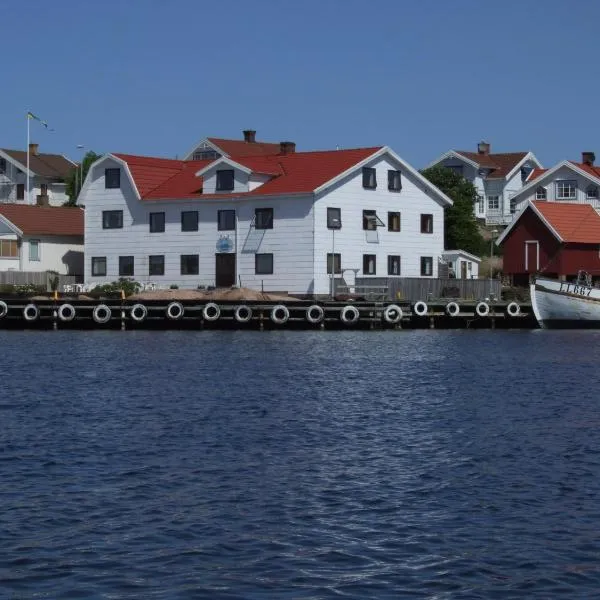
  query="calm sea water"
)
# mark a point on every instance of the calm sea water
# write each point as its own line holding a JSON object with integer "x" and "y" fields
{"x": 410, "y": 464}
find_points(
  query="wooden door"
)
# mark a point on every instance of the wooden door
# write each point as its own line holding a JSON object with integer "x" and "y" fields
{"x": 225, "y": 269}
{"x": 463, "y": 270}
{"x": 532, "y": 258}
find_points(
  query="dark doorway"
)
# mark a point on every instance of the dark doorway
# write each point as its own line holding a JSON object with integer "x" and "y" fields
{"x": 225, "y": 269}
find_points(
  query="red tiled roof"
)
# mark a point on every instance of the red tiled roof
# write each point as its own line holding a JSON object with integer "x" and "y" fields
{"x": 44, "y": 220}
{"x": 592, "y": 170}
{"x": 575, "y": 223}
{"x": 535, "y": 174}
{"x": 242, "y": 148}
{"x": 501, "y": 163}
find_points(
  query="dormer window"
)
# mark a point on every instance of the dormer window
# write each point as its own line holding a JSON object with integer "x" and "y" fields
{"x": 112, "y": 178}
{"x": 592, "y": 192}
{"x": 540, "y": 193}
{"x": 566, "y": 190}
{"x": 225, "y": 180}
{"x": 369, "y": 177}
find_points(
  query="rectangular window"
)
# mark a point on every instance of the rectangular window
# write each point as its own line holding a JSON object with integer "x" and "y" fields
{"x": 394, "y": 181}
{"x": 126, "y": 266}
{"x": 112, "y": 178}
{"x": 369, "y": 178}
{"x": 566, "y": 190}
{"x": 263, "y": 264}
{"x": 426, "y": 223}
{"x": 112, "y": 219}
{"x": 156, "y": 265}
{"x": 426, "y": 266}
{"x": 540, "y": 193}
{"x": 369, "y": 264}
{"x": 393, "y": 265}
{"x": 481, "y": 203}
{"x": 226, "y": 220}
{"x": 189, "y": 264}
{"x": 337, "y": 262}
{"x": 513, "y": 206}
{"x": 393, "y": 221}
{"x": 334, "y": 218}
{"x": 9, "y": 249}
{"x": 98, "y": 266}
{"x": 157, "y": 222}
{"x": 225, "y": 180}
{"x": 591, "y": 193}
{"x": 370, "y": 220}
{"x": 493, "y": 202}
{"x": 34, "y": 250}
{"x": 189, "y": 220}
{"x": 263, "y": 218}
{"x": 20, "y": 191}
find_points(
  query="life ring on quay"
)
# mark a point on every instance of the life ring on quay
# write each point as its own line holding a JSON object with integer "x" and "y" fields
{"x": 101, "y": 313}
{"x": 242, "y": 313}
{"x": 350, "y": 315}
{"x": 31, "y": 312}
{"x": 280, "y": 314}
{"x": 138, "y": 312}
{"x": 211, "y": 312}
{"x": 315, "y": 314}
{"x": 482, "y": 309}
{"x": 3, "y": 309}
{"x": 420, "y": 308}
{"x": 513, "y": 309}
{"x": 392, "y": 313}
{"x": 452, "y": 309}
{"x": 66, "y": 312}
{"x": 175, "y": 311}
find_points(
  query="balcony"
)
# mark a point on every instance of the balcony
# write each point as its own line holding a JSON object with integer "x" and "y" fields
{"x": 495, "y": 217}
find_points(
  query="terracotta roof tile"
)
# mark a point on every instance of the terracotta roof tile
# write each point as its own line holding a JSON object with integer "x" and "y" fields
{"x": 44, "y": 220}
{"x": 501, "y": 163}
{"x": 51, "y": 166}
{"x": 575, "y": 223}
{"x": 535, "y": 174}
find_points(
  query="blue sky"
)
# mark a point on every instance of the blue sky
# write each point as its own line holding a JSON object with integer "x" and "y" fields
{"x": 152, "y": 77}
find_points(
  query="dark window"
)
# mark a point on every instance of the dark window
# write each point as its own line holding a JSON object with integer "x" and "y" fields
{"x": 263, "y": 218}
{"x": 112, "y": 178}
{"x": 369, "y": 176}
{"x": 426, "y": 266}
{"x": 20, "y": 191}
{"x": 393, "y": 265}
{"x": 337, "y": 262}
{"x": 156, "y": 265}
{"x": 43, "y": 189}
{"x": 157, "y": 222}
{"x": 394, "y": 181}
{"x": 189, "y": 220}
{"x": 2, "y": 165}
{"x": 370, "y": 220}
{"x": 369, "y": 264}
{"x": 226, "y": 220}
{"x": 98, "y": 266}
{"x": 205, "y": 155}
{"x": 126, "y": 266}
{"x": 334, "y": 218}
{"x": 263, "y": 264}
{"x": 112, "y": 219}
{"x": 393, "y": 221}
{"x": 426, "y": 223}
{"x": 225, "y": 180}
{"x": 189, "y": 264}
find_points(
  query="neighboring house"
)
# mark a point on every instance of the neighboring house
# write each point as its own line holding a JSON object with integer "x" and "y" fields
{"x": 278, "y": 221}
{"x": 496, "y": 176}
{"x": 554, "y": 238}
{"x": 41, "y": 238}
{"x": 212, "y": 148}
{"x": 47, "y": 174}
{"x": 461, "y": 264}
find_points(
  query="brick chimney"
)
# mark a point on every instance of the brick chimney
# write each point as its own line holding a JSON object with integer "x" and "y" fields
{"x": 588, "y": 158}
{"x": 287, "y": 147}
{"x": 249, "y": 136}
{"x": 33, "y": 149}
{"x": 483, "y": 148}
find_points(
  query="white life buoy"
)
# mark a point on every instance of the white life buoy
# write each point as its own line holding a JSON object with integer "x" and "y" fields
{"x": 3, "y": 309}
{"x": 242, "y": 313}
{"x": 138, "y": 312}
{"x": 482, "y": 309}
{"x": 31, "y": 312}
{"x": 66, "y": 312}
{"x": 513, "y": 309}
{"x": 175, "y": 310}
{"x": 315, "y": 314}
{"x": 350, "y": 315}
{"x": 392, "y": 313}
{"x": 211, "y": 312}
{"x": 420, "y": 308}
{"x": 280, "y": 314}
{"x": 452, "y": 309}
{"x": 101, "y": 313}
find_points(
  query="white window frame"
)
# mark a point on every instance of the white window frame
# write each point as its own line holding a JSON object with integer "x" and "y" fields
{"x": 562, "y": 185}
{"x": 591, "y": 188}
{"x": 39, "y": 253}
{"x": 537, "y": 254}
{"x": 495, "y": 199}
{"x": 541, "y": 193}
{"x": 481, "y": 203}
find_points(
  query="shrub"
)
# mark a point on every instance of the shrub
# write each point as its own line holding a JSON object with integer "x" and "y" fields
{"x": 127, "y": 286}
{"x": 173, "y": 287}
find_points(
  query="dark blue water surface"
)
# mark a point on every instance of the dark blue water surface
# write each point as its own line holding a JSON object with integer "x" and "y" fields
{"x": 300, "y": 465}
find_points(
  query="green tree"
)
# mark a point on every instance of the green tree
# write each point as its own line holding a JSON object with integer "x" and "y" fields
{"x": 461, "y": 231}
{"x": 76, "y": 177}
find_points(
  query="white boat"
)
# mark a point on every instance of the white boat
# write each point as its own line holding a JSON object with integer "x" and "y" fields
{"x": 563, "y": 304}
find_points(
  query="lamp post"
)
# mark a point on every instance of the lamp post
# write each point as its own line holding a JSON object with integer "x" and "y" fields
{"x": 335, "y": 224}
{"x": 79, "y": 173}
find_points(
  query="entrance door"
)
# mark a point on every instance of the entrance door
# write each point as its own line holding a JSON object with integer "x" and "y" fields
{"x": 532, "y": 256}
{"x": 463, "y": 270}
{"x": 225, "y": 269}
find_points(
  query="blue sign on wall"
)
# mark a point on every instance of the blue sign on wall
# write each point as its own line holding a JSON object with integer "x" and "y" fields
{"x": 224, "y": 244}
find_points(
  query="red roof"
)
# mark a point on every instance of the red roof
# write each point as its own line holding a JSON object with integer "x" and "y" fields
{"x": 535, "y": 174}
{"x": 575, "y": 223}
{"x": 44, "y": 220}
{"x": 500, "y": 163}
{"x": 243, "y": 148}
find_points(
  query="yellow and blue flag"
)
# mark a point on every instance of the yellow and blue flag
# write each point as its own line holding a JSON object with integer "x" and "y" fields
{"x": 30, "y": 115}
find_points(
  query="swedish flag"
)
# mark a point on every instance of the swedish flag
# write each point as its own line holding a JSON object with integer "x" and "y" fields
{"x": 30, "y": 115}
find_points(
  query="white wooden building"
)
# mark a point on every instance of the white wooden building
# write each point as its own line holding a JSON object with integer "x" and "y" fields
{"x": 462, "y": 264}
{"x": 277, "y": 222}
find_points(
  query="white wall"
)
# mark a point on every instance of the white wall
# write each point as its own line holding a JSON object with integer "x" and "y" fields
{"x": 62, "y": 254}
{"x": 209, "y": 185}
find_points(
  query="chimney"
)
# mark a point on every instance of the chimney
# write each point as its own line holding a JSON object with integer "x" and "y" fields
{"x": 33, "y": 149}
{"x": 249, "y": 136}
{"x": 588, "y": 158}
{"x": 483, "y": 148}
{"x": 287, "y": 147}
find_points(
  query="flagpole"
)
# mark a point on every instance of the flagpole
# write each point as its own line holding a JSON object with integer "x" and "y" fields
{"x": 28, "y": 119}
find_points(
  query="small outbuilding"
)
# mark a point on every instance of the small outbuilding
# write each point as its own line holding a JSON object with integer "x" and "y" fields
{"x": 461, "y": 264}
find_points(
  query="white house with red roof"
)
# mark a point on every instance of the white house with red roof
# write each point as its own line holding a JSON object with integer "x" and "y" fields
{"x": 496, "y": 176}
{"x": 276, "y": 221}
